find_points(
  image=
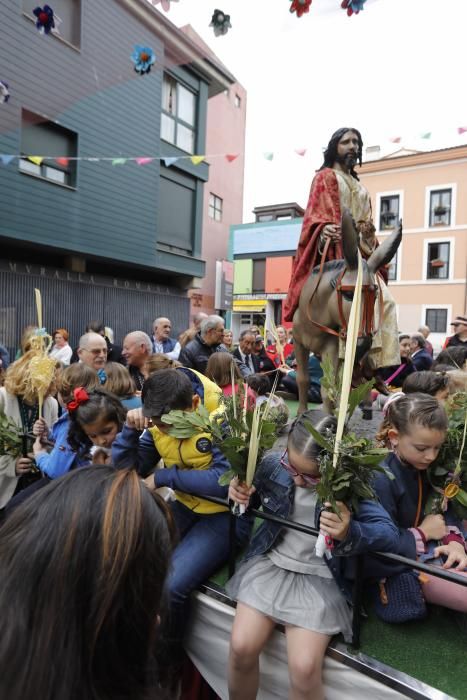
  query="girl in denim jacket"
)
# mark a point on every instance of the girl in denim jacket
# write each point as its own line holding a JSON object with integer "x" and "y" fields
{"x": 282, "y": 580}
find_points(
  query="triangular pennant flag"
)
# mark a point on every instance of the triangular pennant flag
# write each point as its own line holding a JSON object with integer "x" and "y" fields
{"x": 144, "y": 161}
{"x": 196, "y": 160}
{"x": 230, "y": 157}
{"x": 119, "y": 161}
{"x": 62, "y": 161}
{"x": 427, "y": 135}
{"x": 461, "y": 129}
{"x": 269, "y": 156}
{"x": 36, "y": 159}
{"x": 169, "y": 161}
{"x": 6, "y": 160}
{"x": 396, "y": 139}
{"x": 300, "y": 151}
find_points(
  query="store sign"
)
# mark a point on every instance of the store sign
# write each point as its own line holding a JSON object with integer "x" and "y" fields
{"x": 224, "y": 285}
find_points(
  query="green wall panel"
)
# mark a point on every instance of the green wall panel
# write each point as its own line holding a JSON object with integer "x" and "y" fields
{"x": 243, "y": 276}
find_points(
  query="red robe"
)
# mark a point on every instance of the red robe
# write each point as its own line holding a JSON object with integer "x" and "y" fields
{"x": 323, "y": 208}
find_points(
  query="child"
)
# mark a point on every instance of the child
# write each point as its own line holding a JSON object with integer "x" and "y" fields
{"x": 120, "y": 383}
{"x": 279, "y": 411}
{"x": 96, "y": 418}
{"x": 282, "y": 580}
{"x": 415, "y": 428}
{"x": 220, "y": 367}
{"x": 192, "y": 467}
{"x": 428, "y": 382}
{"x": 62, "y": 458}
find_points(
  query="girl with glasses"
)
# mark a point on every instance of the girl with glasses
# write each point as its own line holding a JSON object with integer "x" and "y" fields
{"x": 282, "y": 580}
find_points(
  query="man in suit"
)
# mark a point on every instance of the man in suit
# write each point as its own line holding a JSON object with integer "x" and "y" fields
{"x": 421, "y": 358}
{"x": 244, "y": 352}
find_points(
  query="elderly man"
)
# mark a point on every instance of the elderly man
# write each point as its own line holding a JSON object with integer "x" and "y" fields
{"x": 421, "y": 358}
{"x": 92, "y": 351}
{"x": 209, "y": 340}
{"x": 137, "y": 349}
{"x": 190, "y": 333}
{"x": 244, "y": 352}
{"x": 161, "y": 340}
{"x": 425, "y": 331}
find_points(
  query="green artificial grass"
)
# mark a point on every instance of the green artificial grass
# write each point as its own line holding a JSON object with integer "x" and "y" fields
{"x": 293, "y": 406}
{"x": 433, "y": 650}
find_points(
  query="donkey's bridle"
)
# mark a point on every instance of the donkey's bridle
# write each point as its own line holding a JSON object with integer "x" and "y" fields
{"x": 367, "y": 323}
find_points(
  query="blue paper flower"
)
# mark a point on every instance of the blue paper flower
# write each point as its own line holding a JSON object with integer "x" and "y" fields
{"x": 45, "y": 19}
{"x": 353, "y": 6}
{"x": 143, "y": 57}
{"x": 4, "y": 92}
{"x": 220, "y": 22}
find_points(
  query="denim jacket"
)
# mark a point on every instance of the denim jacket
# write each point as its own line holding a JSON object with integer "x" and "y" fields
{"x": 370, "y": 528}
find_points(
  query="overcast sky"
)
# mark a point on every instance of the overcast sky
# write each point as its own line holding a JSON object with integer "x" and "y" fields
{"x": 396, "y": 69}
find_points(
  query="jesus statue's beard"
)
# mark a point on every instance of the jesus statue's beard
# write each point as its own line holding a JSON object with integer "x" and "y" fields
{"x": 348, "y": 160}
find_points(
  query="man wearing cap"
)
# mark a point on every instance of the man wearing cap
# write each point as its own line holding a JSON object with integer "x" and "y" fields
{"x": 460, "y": 333}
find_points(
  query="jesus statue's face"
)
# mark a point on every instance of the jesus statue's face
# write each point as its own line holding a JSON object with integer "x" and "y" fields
{"x": 347, "y": 150}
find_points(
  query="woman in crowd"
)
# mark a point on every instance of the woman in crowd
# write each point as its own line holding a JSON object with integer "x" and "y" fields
{"x": 60, "y": 349}
{"x": 228, "y": 340}
{"x": 20, "y": 403}
{"x": 394, "y": 376}
{"x": 279, "y": 352}
{"x": 282, "y": 580}
{"x": 119, "y": 382}
{"x": 64, "y": 633}
{"x": 415, "y": 428}
{"x": 220, "y": 369}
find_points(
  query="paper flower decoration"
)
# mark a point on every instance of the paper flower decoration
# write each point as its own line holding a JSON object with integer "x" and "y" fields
{"x": 4, "y": 92}
{"x": 45, "y": 19}
{"x": 300, "y": 6}
{"x": 143, "y": 57}
{"x": 220, "y": 22}
{"x": 352, "y": 6}
{"x": 165, "y": 3}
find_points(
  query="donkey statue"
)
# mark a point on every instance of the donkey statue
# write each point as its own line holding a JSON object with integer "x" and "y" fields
{"x": 323, "y": 312}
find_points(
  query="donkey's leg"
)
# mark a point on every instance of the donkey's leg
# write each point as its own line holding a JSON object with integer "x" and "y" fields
{"x": 303, "y": 378}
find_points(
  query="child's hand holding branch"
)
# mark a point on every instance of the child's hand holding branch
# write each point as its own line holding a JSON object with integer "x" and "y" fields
{"x": 333, "y": 525}
{"x": 240, "y": 493}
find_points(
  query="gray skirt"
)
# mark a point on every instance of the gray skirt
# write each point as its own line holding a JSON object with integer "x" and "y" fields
{"x": 303, "y": 600}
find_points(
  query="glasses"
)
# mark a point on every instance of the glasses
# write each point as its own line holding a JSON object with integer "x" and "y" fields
{"x": 307, "y": 478}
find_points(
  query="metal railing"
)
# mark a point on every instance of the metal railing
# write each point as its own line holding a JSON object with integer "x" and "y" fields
{"x": 357, "y": 591}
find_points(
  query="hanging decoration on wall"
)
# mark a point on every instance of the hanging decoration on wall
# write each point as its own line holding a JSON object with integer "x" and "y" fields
{"x": 353, "y": 7}
{"x": 4, "y": 92}
{"x": 300, "y": 7}
{"x": 164, "y": 3}
{"x": 144, "y": 58}
{"x": 220, "y": 22}
{"x": 45, "y": 21}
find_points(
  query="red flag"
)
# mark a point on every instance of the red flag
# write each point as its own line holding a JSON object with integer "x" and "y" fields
{"x": 64, "y": 162}
{"x": 461, "y": 129}
{"x": 231, "y": 157}
{"x": 396, "y": 139}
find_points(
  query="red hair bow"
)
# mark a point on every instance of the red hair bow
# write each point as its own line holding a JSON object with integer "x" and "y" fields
{"x": 81, "y": 396}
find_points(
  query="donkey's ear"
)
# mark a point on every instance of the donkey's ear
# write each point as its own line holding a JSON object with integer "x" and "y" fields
{"x": 385, "y": 252}
{"x": 349, "y": 240}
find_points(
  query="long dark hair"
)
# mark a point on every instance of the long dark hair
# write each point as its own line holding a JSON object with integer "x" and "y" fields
{"x": 300, "y": 438}
{"x": 83, "y": 564}
{"x": 101, "y": 405}
{"x": 330, "y": 154}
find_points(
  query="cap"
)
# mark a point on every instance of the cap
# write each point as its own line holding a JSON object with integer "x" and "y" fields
{"x": 459, "y": 319}
{"x": 258, "y": 338}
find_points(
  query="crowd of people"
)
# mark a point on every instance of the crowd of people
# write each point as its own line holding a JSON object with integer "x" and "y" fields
{"x": 98, "y": 563}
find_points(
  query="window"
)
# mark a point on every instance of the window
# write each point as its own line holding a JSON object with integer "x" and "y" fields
{"x": 238, "y": 101}
{"x": 259, "y": 275}
{"x": 177, "y": 207}
{"x": 265, "y": 217}
{"x": 440, "y": 207}
{"x": 68, "y": 18}
{"x": 438, "y": 261}
{"x": 215, "y": 207}
{"x": 389, "y": 212}
{"x": 178, "y": 115}
{"x": 53, "y": 142}
{"x": 436, "y": 320}
{"x": 392, "y": 267}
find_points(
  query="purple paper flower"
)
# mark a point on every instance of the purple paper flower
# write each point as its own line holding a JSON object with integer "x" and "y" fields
{"x": 143, "y": 57}
{"x": 45, "y": 19}
{"x": 220, "y": 22}
{"x": 165, "y": 3}
{"x": 4, "y": 92}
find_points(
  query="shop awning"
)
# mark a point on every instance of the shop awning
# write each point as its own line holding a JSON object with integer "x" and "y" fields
{"x": 249, "y": 306}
